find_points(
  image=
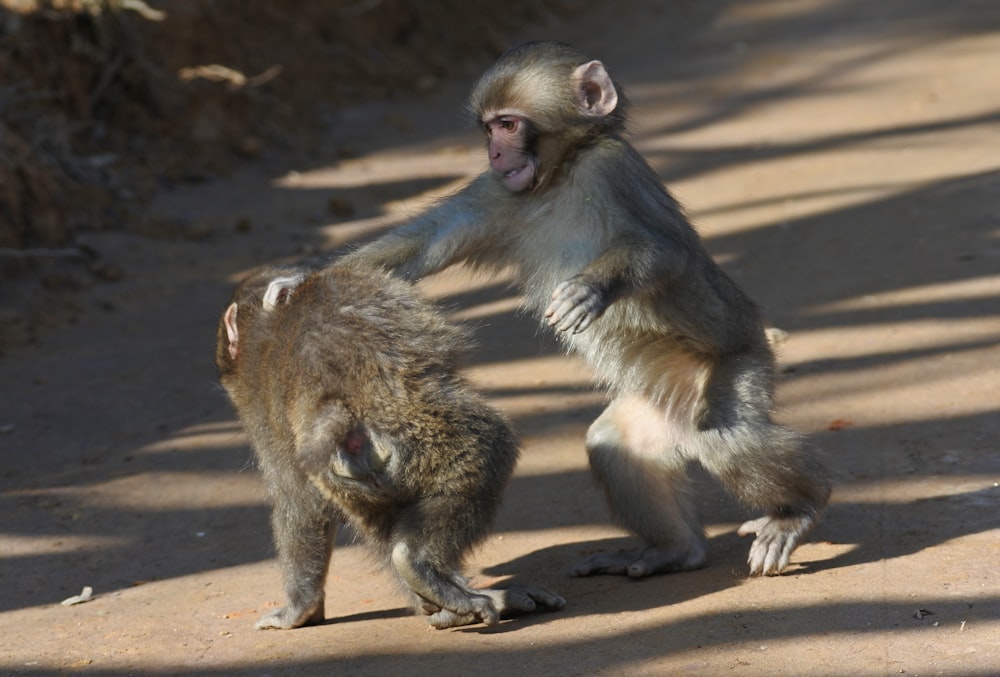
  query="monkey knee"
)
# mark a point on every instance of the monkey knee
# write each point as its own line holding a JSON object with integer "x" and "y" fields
{"x": 600, "y": 454}
{"x": 402, "y": 560}
{"x": 604, "y": 443}
{"x": 603, "y": 433}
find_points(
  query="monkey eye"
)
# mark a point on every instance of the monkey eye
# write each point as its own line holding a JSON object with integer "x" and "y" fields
{"x": 508, "y": 124}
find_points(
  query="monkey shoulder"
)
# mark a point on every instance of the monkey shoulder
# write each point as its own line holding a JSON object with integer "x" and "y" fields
{"x": 610, "y": 181}
{"x": 616, "y": 159}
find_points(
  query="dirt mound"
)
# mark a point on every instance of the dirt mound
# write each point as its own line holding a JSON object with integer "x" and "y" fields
{"x": 104, "y": 100}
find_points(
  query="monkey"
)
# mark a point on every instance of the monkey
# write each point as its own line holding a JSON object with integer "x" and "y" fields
{"x": 346, "y": 382}
{"x": 604, "y": 255}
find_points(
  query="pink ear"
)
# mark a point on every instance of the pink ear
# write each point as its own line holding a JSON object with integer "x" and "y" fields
{"x": 280, "y": 290}
{"x": 232, "y": 333}
{"x": 595, "y": 90}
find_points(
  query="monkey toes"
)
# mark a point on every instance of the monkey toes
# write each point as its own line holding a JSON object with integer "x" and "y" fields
{"x": 492, "y": 604}
{"x": 288, "y": 617}
{"x": 479, "y": 609}
{"x": 526, "y": 599}
{"x": 776, "y": 538}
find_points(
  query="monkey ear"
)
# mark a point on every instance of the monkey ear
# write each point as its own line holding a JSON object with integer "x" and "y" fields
{"x": 232, "y": 333}
{"x": 595, "y": 91}
{"x": 280, "y": 290}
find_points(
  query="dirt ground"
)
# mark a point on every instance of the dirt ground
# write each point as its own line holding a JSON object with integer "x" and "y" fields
{"x": 842, "y": 161}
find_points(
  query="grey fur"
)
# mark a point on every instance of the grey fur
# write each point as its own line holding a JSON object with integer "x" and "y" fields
{"x": 605, "y": 256}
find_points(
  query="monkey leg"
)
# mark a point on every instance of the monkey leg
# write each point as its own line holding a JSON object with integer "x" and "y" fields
{"x": 635, "y": 459}
{"x": 765, "y": 466}
{"x": 304, "y": 531}
{"x": 448, "y": 601}
{"x": 444, "y": 594}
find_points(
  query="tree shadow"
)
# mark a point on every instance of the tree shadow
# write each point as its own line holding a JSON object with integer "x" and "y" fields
{"x": 618, "y": 648}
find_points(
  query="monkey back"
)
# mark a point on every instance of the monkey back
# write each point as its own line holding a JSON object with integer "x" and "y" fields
{"x": 368, "y": 342}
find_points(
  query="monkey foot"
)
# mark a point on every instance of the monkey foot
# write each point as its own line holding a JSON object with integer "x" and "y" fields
{"x": 776, "y": 538}
{"x": 525, "y": 599}
{"x": 642, "y": 562}
{"x": 483, "y": 611}
{"x": 289, "y": 617}
{"x": 492, "y": 604}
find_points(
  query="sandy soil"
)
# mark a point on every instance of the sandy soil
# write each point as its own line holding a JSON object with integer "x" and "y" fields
{"x": 841, "y": 160}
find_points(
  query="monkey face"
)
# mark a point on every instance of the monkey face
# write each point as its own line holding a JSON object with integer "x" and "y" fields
{"x": 508, "y": 157}
{"x": 536, "y": 105}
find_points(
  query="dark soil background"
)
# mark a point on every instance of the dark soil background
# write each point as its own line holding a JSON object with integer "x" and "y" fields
{"x": 104, "y": 102}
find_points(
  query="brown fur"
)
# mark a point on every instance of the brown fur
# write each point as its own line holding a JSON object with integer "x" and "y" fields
{"x": 346, "y": 382}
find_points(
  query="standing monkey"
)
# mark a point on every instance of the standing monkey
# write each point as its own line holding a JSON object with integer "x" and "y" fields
{"x": 346, "y": 382}
{"x": 603, "y": 252}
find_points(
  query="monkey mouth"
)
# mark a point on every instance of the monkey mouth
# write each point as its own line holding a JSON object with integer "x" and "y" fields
{"x": 519, "y": 178}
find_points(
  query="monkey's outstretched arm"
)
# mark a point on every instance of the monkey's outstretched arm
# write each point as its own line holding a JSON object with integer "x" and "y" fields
{"x": 390, "y": 252}
{"x": 445, "y": 234}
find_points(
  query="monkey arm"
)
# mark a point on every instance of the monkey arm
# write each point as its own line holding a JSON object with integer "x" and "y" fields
{"x": 652, "y": 246}
{"x": 390, "y": 252}
{"x": 629, "y": 265}
{"x": 451, "y": 231}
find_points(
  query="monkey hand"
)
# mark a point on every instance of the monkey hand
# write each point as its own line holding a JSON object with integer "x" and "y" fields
{"x": 575, "y": 304}
{"x": 776, "y": 538}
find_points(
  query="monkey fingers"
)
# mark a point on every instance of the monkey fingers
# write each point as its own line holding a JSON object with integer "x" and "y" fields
{"x": 482, "y": 611}
{"x": 505, "y": 602}
{"x": 495, "y": 603}
{"x": 641, "y": 562}
{"x": 444, "y": 619}
{"x": 776, "y": 538}
{"x": 575, "y": 304}
{"x": 524, "y": 599}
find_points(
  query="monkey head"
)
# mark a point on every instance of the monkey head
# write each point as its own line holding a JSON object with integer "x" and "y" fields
{"x": 259, "y": 294}
{"x": 539, "y": 103}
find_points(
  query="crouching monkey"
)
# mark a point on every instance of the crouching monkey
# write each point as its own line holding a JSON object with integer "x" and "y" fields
{"x": 347, "y": 386}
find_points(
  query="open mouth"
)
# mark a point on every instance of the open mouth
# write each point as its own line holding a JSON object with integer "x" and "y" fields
{"x": 519, "y": 178}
